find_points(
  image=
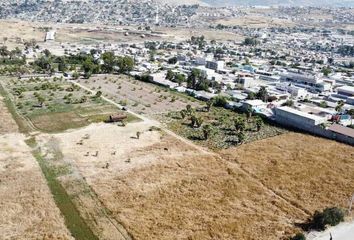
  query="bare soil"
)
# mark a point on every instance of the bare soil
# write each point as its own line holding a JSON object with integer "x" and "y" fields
{"x": 141, "y": 97}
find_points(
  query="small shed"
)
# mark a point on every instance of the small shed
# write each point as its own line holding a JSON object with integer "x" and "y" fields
{"x": 117, "y": 118}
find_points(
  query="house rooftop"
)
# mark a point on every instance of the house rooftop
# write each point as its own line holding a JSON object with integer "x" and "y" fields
{"x": 342, "y": 130}
{"x": 300, "y": 113}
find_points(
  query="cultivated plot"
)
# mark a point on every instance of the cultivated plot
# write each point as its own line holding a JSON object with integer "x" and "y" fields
{"x": 141, "y": 97}
{"x": 54, "y": 105}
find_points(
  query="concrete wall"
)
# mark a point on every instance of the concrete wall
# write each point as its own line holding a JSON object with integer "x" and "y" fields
{"x": 316, "y": 130}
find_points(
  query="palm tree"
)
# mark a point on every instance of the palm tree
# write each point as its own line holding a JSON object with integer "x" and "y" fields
{"x": 206, "y": 131}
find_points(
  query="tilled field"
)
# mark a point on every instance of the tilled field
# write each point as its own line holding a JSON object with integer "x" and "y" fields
{"x": 141, "y": 97}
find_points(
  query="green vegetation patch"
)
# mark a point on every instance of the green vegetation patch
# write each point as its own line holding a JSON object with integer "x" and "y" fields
{"x": 54, "y": 105}
{"x": 219, "y": 128}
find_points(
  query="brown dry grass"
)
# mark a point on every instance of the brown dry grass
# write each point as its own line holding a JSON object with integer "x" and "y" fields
{"x": 254, "y": 21}
{"x": 161, "y": 188}
{"x": 13, "y": 29}
{"x": 311, "y": 172}
{"x": 7, "y": 124}
{"x": 27, "y": 208}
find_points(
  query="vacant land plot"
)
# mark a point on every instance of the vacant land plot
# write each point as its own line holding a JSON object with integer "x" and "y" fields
{"x": 254, "y": 21}
{"x": 161, "y": 188}
{"x": 27, "y": 208}
{"x": 310, "y": 172}
{"x": 53, "y": 105}
{"x": 141, "y": 97}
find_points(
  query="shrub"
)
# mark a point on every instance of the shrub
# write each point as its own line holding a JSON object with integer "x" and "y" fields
{"x": 330, "y": 216}
{"x": 219, "y": 101}
{"x": 299, "y": 236}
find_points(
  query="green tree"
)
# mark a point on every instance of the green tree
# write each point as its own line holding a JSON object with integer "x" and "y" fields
{"x": 288, "y": 103}
{"x": 262, "y": 94}
{"x": 339, "y": 106}
{"x": 219, "y": 101}
{"x": 41, "y": 100}
{"x": 323, "y": 104}
{"x": 259, "y": 123}
{"x": 170, "y": 75}
{"x": 98, "y": 94}
{"x": 199, "y": 122}
{"x": 206, "y": 131}
{"x": 251, "y": 96}
{"x": 125, "y": 64}
{"x": 241, "y": 137}
{"x": 76, "y": 75}
{"x": 179, "y": 78}
{"x": 189, "y": 109}
{"x": 240, "y": 124}
{"x": 109, "y": 62}
{"x": 193, "y": 78}
{"x": 326, "y": 71}
{"x": 209, "y": 104}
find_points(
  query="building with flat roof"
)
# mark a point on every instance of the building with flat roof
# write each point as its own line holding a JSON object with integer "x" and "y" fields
{"x": 346, "y": 91}
{"x": 292, "y": 117}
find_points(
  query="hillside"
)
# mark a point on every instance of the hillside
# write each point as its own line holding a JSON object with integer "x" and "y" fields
{"x": 342, "y": 3}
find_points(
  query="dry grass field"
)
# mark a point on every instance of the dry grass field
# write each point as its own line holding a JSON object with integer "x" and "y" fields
{"x": 7, "y": 124}
{"x": 312, "y": 173}
{"x": 141, "y": 97}
{"x": 27, "y": 208}
{"x": 158, "y": 187}
{"x": 18, "y": 31}
{"x": 255, "y": 21}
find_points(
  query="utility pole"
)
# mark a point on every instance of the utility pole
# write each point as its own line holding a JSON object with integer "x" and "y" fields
{"x": 350, "y": 204}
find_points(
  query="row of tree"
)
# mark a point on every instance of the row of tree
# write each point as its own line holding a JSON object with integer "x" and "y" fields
{"x": 107, "y": 63}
